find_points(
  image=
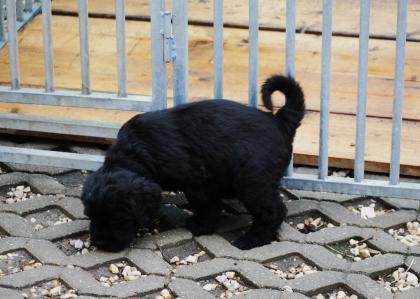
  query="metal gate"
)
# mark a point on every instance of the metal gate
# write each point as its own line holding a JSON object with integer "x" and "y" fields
{"x": 169, "y": 33}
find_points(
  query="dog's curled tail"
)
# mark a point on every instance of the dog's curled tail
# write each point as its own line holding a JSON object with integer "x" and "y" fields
{"x": 291, "y": 114}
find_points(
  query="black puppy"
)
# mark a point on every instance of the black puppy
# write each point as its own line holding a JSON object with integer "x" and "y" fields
{"x": 210, "y": 150}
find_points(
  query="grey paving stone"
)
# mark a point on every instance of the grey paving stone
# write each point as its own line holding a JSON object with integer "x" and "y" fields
{"x": 173, "y": 237}
{"x": 59, "y": 231}
{"x": 286, "y": 295}
{"x": 17, "y": 233}
{"x": 30, "y": 277}
{"x": 48, "y": 170}
{"x": 410, "y": 294}
{"x": 261, "y": 293}
{"x": 324, "y": 196}
{"x": 148, "y": 261}
{"x": 10, "y": 294}
{"x": 378, "y": 263}
{"x": 387, "y": 243}
{"x": 39, "y": 182}
{"x": 338, "y": 233}
{"x": 207, "y": 269}
{"x": 316, "y": 281}
{"x": 366, "y": 286}
{"x": 402, "y": 203}
{"x": 219, "y": 247}
{"x": 15, "y": 225}
{"x": 68, "y": 205}
{"x": 415, "y": 250}
{"x": 188, "y": 289}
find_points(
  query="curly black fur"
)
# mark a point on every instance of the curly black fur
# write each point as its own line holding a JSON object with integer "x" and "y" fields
{"x": 210, "y": 150}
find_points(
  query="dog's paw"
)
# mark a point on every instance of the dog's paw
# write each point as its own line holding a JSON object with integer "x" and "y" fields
{"x": 197, "y": 228}
{"x": 245, "y": 243}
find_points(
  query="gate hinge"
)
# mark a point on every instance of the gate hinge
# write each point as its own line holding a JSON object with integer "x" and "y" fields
{"x": 169, "y": 45}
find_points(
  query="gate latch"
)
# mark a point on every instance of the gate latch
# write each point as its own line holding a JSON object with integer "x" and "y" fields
{"x": 169, "y": 46}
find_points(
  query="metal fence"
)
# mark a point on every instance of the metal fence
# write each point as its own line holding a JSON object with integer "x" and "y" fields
{"x": 169, "y": 33}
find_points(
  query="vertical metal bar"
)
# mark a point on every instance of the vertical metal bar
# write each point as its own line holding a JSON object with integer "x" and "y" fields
{"x": 359, "y": 161}
{"x": 84, "y": 46}
{"x": 394, "y": 176}
{"x": 2, "y": 37}
{"x": 13, "y": 46}
{"x": 218, "y": 48}
{"x": 325, "y": 89}
{"x": 290, "y": 51}
{"x": 48, "y": 46}
{"x": 253, "y": 53}
{"x": 28, "y": 6}
{"x": 180, "y": 31}
{"x": 159, "y": 92}
{"x": 121, "y": 47}
{"x": 19, "y": 10}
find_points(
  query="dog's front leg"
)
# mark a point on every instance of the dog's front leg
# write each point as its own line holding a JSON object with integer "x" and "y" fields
{"x": 207, "y": 213}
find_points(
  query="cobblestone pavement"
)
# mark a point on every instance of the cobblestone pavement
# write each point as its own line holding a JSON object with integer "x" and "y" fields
{"x": 44, "y": 247}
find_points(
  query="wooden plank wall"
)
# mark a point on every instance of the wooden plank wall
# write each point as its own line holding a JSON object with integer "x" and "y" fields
{"x": 308, "y": 62}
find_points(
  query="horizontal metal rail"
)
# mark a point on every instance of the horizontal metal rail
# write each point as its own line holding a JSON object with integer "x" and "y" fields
{"x": 298, "y": 181}
{"x": 50, "y": 158}
{"x": 349, "y": 186}
{"x": 68, "y": 98}
{"x": 77, "y": 127}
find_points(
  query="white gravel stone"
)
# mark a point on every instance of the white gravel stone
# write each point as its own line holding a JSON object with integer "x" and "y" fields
{"x": 210, "y": 287}
{"x": 113, "y": 269}
{"x": 174, "y": 260}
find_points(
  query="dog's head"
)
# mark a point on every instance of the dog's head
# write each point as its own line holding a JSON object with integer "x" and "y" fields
{"x": 118, "y": 203}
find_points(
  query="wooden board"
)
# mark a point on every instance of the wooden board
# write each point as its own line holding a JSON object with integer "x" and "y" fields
{"x": 308, "y": 64}
{"x": 272, "y": 13}
{"x": 342, "y": 143}
{"x": 343, "y": 92}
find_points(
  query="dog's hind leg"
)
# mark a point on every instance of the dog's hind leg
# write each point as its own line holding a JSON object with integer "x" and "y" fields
{"x": 268, "y": 212}
{"x": 207, "y": 213}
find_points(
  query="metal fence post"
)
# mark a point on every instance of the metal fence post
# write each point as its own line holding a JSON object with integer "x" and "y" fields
{"x": 394, "y": 176}
{"x": 180, "y": 31}
{"x": 159, "y": 92}
{"x": 84, "y": 46}
{"x": 253, "y": 53}
{"x": 121, "y": 47}
{"x": 2, "y": 37}
{"x": 325, "y": 89}
{"x": 359, "y": 161}
{"x": 48, "y": 46}
{"x": 13, "y": 45}
{"x": 218, "y": 48}
{"x": 290, "y": 52}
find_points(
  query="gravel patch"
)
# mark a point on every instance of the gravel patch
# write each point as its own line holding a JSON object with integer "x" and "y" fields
{"x": 369, "y": 208}
{"x": 399, "y": 280}
{"x": 310, "y": 222}
{"x": 355, "y": 249}
{"x": 187, "y": 253}
{"x": 46, "y": 218}
{"x": 409, "y": 235}
{"x": 291, "y": 267}
{"x": 226, "y": 285}
{"x": 17, "y": 261}
{"x": 116, "y": 273}
{"x": 52, "y": 289}
{"x": 19, "y": 193}
{"x": 76, "y": 246}
{"x": 338, "y": 293}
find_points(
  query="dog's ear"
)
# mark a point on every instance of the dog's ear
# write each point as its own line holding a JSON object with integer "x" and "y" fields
{"x": 145, "y": 201}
